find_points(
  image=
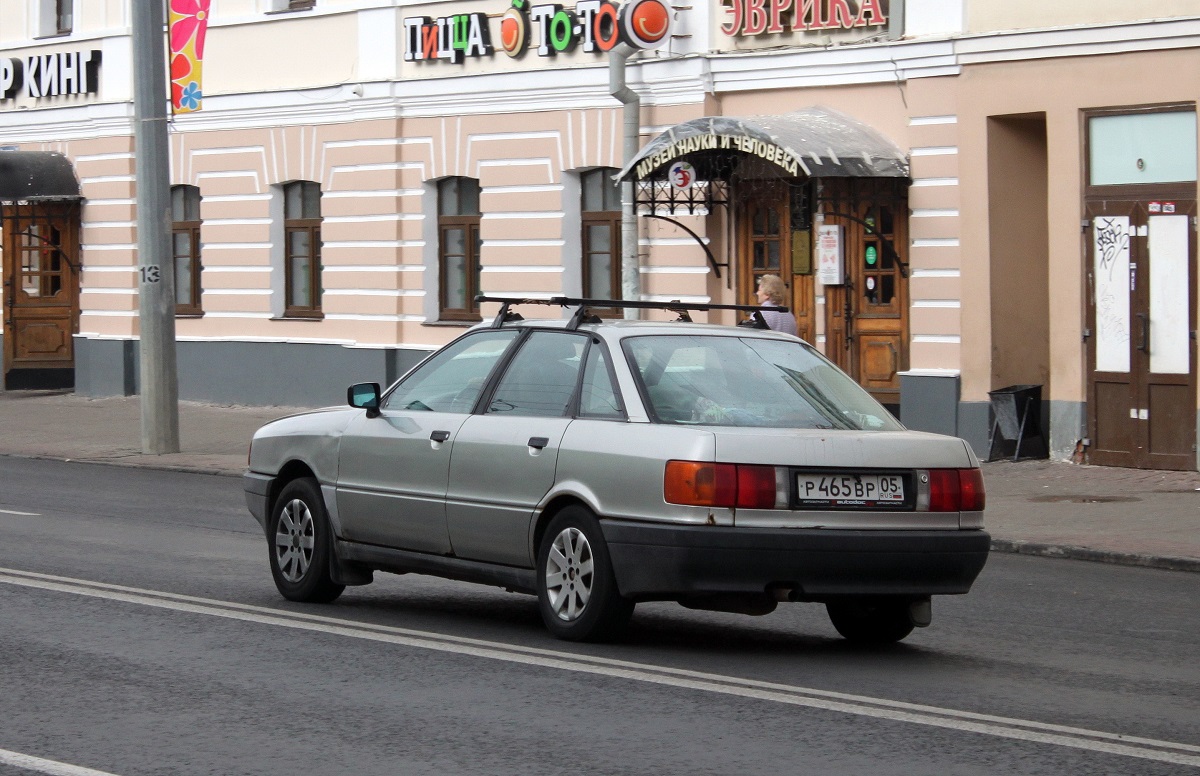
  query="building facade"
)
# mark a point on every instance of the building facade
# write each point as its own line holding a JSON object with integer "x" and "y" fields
{"x": 961, "y": 196}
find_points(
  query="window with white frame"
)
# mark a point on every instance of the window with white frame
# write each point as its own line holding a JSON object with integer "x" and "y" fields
{"x": 57, "y": 17}
{"x": 458, "y": 248}
{"x": 600, "y": 215}
{"x": 185, "y": 248}
{"x": 302, "y": 249}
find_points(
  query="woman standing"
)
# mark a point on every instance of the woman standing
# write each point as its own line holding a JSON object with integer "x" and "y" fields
{"x": 772, "y": 291}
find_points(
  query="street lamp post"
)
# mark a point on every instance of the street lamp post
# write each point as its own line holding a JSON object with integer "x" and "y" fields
{"x": 158, "y": 382}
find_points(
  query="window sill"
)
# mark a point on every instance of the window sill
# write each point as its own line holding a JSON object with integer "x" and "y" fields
{"x": 300, "y": 317}
{"x": 53, "y": 35}
{"x": 190, "y": 314}
{"x": 453, "y": 324}
{"x": 279, "y": 11}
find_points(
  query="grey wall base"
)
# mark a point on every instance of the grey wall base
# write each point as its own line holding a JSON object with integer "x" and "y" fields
{"x": 931, "y": 403}
{"x": 247, "y": 373}
{"x": 1068, "y": 428}
{"x": 105, "y": 367}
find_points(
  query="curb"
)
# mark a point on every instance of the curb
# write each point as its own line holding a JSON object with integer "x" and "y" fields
{"x": 1071, "y": 552}
{"x": 126, "y": 463}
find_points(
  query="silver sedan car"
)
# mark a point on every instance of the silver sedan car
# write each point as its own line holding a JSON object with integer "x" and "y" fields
{"x": 596, "y": 463}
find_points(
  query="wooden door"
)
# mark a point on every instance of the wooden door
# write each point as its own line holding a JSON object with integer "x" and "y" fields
{"x": 773, "y": 241}
{"x": 41, "y": 294}
{"x": 1141, "y": 324}
{"x": 866, "y": 318}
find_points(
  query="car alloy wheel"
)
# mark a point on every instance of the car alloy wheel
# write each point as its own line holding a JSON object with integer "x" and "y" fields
{"x": 301, "y": 544}
{"x": 577, "y": 589}
{"x": 295, "y": 539}
{"x": 569, "y": 574}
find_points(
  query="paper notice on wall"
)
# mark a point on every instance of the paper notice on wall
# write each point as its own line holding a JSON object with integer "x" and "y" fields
{"x": 1169, "y": 333}
{"x": 1110, "y": 250}
{"x": 830, "y": 269}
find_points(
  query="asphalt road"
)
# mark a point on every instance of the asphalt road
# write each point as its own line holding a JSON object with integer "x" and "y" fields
{"x": 140, "y": 633}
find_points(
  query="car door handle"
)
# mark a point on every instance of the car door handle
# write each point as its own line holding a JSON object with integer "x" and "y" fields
{"x": 440, "y": 436}
{"x": 538, "y": 443}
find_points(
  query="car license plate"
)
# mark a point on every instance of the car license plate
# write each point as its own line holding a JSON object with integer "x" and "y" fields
{"x": 850, "y": 490}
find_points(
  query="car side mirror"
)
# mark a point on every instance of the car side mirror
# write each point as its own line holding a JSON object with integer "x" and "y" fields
{"x": 365, "y": 396}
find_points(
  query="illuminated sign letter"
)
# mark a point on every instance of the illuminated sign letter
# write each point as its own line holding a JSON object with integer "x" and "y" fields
{"x": 840, "y": 14}
{"x": 778, "y": 8}
{"x": 541, "y": 15}
{"x": 870, "y": 12}
{"x": 607, "y": 27}
{"x": 10, "y": 77}
{"x": 514, "y": 30}
{"x": 756, "y": 17}
{"x": 412, "y": 37}
{"x": 733, "y": 25}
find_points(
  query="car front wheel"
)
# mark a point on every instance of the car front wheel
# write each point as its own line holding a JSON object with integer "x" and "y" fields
{"x": 577, "y": 590}
{"x": 871, "y": 620}
{"x": 301, "y": 543}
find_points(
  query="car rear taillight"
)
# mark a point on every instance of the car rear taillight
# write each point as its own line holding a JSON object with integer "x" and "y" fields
{"x": 700, "y": 484}
{"x": 756, "y": 487}
{"x": 956, "y": 490}
{"x": 971, "y": 483}
{"x": 707, "y": 484}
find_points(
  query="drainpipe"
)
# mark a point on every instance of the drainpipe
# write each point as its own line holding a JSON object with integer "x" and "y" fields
{"x": 631, "y": 282}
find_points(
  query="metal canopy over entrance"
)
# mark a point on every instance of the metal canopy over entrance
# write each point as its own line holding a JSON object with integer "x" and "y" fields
{"x": 31, "y": 176}
{"x": 815, "y": 142}
{"x": 39, "y": 228}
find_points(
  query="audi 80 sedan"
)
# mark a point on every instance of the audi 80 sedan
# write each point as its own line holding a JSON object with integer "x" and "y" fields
{"x": 596, "y": 463}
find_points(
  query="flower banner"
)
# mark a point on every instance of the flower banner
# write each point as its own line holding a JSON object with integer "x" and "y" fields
{"x": 189, "y": 23}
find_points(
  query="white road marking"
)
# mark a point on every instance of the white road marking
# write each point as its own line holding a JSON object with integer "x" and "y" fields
{"x": 52, "y": 767}
{"x": 879, "y": 708}
{"x": 15, "y": 512}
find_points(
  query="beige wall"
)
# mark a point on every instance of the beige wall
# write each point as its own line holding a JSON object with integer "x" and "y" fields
{"x": 1060, "y": 89}
{"x": 992, "y": 16}
{"x": 1018, "y": 256}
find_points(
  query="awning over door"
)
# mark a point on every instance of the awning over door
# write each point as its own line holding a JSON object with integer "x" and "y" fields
{"x": 33, "y": 176}
{"x": 814, "y": 142}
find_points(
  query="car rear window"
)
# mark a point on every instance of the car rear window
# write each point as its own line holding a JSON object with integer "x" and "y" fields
{"x": 750, "y": 382}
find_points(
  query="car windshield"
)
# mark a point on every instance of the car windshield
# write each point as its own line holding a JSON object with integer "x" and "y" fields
{"x": 748, "y": 381}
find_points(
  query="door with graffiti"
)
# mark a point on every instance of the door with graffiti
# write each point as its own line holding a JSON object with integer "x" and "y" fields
{"x": 1141, "y": 325}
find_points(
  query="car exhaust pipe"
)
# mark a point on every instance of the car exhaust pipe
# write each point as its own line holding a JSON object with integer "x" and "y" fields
{"x": 920, "y": 612}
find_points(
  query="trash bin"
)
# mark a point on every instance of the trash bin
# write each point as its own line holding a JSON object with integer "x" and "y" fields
{"x": 1016, "y": 418}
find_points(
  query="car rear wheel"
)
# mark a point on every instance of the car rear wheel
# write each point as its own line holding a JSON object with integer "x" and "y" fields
{"x": 577, "y": 590}
{"x": 301, "y": 543}
{"x": 871, "y": 620}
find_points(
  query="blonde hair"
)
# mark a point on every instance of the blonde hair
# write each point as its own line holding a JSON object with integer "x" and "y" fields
{"x": 774, "y": 288}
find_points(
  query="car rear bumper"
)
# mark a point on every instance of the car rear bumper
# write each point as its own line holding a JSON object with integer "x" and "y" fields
{"x": 672, "y": 561}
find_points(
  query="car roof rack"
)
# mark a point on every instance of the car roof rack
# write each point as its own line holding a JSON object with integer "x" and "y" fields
{"x": 583, "y": 314}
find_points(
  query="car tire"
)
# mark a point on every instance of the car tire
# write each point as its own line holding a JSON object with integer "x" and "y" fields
{"x": 300, "y": 542}
{"x": 871, "y": 620}
{"x": 577, "y": 589}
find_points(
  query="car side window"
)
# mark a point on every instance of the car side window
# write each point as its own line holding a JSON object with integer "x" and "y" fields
{"x": 542, "y": 376}
{"x": 598, "y": 398}
{"x": 452, "y": 380}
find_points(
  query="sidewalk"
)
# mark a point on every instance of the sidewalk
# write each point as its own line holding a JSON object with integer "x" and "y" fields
{"x": 1128, "y": 516}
